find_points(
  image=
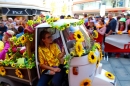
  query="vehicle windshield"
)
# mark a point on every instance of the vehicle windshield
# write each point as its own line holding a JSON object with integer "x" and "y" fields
{"x": 78, "y": 39}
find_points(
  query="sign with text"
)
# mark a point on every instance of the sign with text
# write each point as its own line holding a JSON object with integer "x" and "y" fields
{"x": 16, "y": 11}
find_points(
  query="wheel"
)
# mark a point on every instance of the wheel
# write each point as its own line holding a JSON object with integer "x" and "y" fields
{"x": 5, "y": 84}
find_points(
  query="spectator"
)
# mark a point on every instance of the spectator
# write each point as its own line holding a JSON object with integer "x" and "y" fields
{"x": 12, "y": 27}
{"x": 62, "y": 17}
{"x": 91, "y": 27}
{"x": 128, "y": 21}
{"x": 20, "y": 31}
{"x": 85, "y": 18}
{"x": 76, "y": 16}
{"x": 110, "y": 25}
{"x": 3, "y": 29}
{"x": 97, "y": 18}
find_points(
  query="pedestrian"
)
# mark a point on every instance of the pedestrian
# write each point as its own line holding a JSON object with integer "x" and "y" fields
{"x": 3, "y": 29}
{"x": 110, "y": 27}
{"x": 20, "y": 31}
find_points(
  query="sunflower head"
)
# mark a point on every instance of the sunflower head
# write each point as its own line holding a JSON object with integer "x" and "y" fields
{"x": 109, "y": 75}
{"x": 86, "y": 82}
{"x": 79, "y": 49}
{"x": 79, "y": 36}
{"x": 95, "y": 34}
{"x": 92, "y": 57}
{"x": 23, "y": 39}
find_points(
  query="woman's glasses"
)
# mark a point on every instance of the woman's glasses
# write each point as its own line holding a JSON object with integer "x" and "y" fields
{"x": 49, "y": 37}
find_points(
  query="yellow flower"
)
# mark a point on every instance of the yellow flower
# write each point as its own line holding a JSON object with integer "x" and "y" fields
{"x": 97, "y": 45}
{"x": 30, "y": 39}
{"x": 2, "y": 71}
{"x": 18, "y": 73}
{"x": 92, "y": 58}
{"x": 109, "y": 75}
{"x": 86, "y": 82}
{"x": 95, "y": 34}
{"x": 24, "y": 53}
{"x": 98, "y": 61}
{"x": 65, "y": 62}
{"x": 79, "y": 49}
{"x": 119, "y": 32}
{"x": 79, "y": 36}
{"x": 23, "y": 39}
{"x": 67, "y": 25}
{"x": 67, "y": 71}
{"x": 72, "y": 53}
{"x": 12, "y": 65}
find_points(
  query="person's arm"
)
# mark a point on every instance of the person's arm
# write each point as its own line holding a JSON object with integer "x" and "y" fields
{"x": 102, "y": 30}
{"x": 4, "y": 51}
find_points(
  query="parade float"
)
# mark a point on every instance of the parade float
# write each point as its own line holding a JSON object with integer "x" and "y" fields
{"x": 82, "y": 59}
{"x": 83, "y": 54}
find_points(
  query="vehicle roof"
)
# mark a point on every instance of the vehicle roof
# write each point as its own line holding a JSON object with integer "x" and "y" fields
{"x": 59, "y": 23}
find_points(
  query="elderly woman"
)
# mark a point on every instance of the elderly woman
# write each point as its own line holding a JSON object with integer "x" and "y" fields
{"x": 49, "y": 57}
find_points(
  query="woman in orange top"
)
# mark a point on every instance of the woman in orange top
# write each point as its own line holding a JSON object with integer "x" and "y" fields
{"x": 101, "y": 28}
{"x": 49, "y": 57}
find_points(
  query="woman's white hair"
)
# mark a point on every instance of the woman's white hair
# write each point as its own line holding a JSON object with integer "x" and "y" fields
{"x": 10, "y": 32}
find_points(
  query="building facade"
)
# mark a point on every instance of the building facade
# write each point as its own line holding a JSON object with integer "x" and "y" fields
{"x": 93, "y": 6}
{"x": 16, "y": 8}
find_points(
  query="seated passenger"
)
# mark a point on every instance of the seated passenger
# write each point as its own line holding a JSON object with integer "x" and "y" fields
{"x": 6, "y": 37}
{"x": 49, "y": 57}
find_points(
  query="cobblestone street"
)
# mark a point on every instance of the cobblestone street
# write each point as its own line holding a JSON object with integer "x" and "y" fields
{"x": 120, "y": 67}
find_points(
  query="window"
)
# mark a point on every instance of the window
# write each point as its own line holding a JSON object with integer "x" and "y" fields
{"x": 73, "y": 34}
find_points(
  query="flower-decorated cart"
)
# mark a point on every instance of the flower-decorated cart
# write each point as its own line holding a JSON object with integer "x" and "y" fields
{"x": 83, "y": 55}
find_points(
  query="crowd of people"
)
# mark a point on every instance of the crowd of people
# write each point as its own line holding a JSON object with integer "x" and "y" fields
{"x": 15, "y": 25}
{"x": 106, "y": 26}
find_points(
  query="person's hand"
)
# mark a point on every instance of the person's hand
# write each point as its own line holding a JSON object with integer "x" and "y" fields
{"x": 106, "y": 35}
{"x": 0, "y": 32}
{"x": 63, "y": 51}
{"x": 52, "y": 72}
{"x": 56, "y": 69}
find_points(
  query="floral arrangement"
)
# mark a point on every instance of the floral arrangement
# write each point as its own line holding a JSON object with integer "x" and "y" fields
{"x": 18, "y": 73}
{"x": 86, "y": 82}
{"x": 109, "y": 75}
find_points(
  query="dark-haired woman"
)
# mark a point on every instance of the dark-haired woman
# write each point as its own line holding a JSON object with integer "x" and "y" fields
{"x": 49, "y": 57}
{"x": 20, "y": 31}
{"x": 101, "y": 28}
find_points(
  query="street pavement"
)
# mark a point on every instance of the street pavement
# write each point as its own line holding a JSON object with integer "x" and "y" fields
{"x": 120, "y": 67}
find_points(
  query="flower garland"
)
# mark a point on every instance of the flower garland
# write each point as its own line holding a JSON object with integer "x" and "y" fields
{"x": 2, "y": 71}
{"x": 109, "y": 75}
{"x": 86, "y": 82}
{"x": 18, "y": 73}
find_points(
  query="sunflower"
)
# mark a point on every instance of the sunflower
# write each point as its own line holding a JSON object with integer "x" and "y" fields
{"x": 2, "y": 71}
{"x": 92, "y": 58}
{"x": 79, "y": 36}
{"x": 65, "y": 62}
{"x": 67, "y": 25}
{"x": 97, "y": 45}
{"x": 109, "y": 75}
{"x": 95, "y": 34}
{"x": 30, "y": 39}
{"x": 119, "y": 32}
{"x": 23, "y": 39}
{"x": 67, "y": 71}
{"x": 86, "y": 82}
{"x": 98, "y": 61}
{"x": 79, "y": 49}
{"x": 13, "y": 65}
{"x": 18, "y": 73}
{"x": 72, "y": 53}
